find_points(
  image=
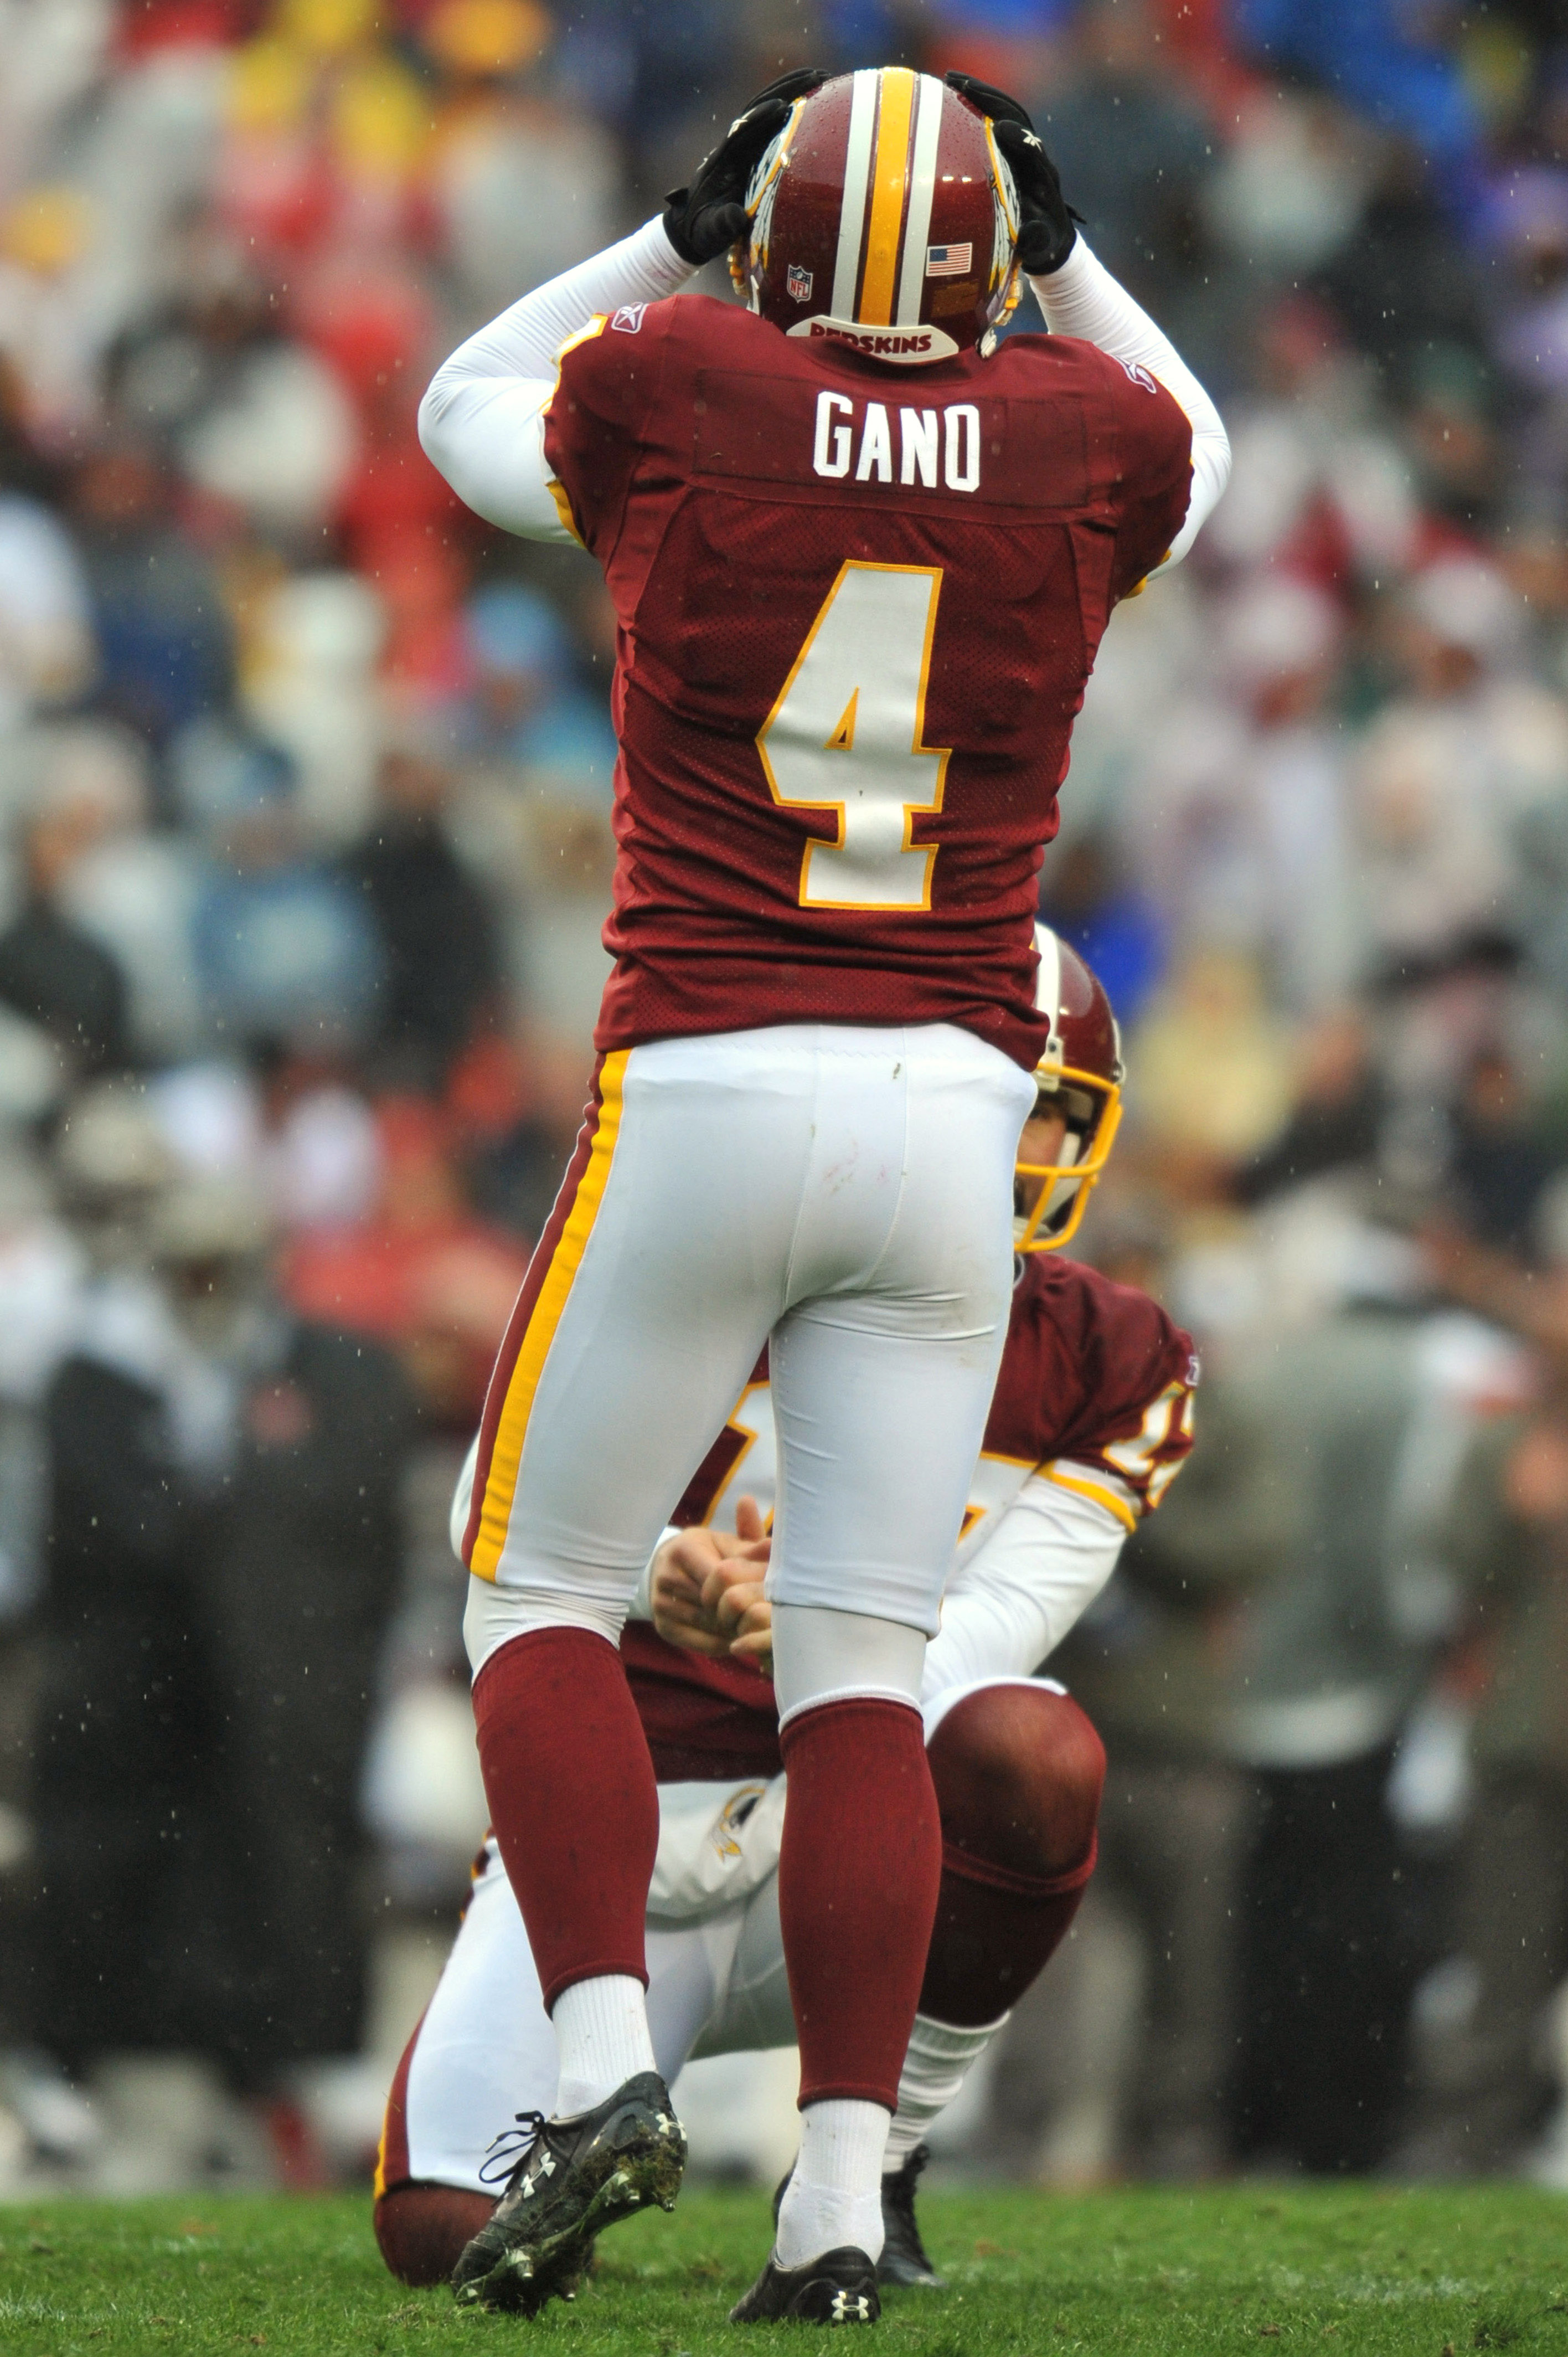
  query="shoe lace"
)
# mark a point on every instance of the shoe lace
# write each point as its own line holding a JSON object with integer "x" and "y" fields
{"x": 507, "y": 2155}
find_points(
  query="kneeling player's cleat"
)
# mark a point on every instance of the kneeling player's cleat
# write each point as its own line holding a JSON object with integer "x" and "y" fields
{"x": 838, "y": 2289}
{"x": 905, "y": 2264}
{"x": 905, "y": 2261}
{"x": 573, "y": 2178}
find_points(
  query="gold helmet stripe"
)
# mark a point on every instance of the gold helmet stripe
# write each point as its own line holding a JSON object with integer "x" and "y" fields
{"x": 852, "y": 206}
{"x": 922, "y": 188}
{"x": 889, "y": 184}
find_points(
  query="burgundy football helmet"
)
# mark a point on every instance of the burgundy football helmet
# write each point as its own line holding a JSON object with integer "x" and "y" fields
{"x": 1079, "y": 1077}
{"x": 883, "y": 215}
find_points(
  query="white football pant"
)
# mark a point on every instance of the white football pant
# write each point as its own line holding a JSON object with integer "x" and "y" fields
{"x": 845, "y": 1191}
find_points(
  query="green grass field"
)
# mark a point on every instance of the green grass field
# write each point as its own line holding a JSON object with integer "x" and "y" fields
{"x": 1339, "y": 2270}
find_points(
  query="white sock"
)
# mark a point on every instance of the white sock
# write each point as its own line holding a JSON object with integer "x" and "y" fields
{"x": 835, "y": 2194}
{"x": 601, "y": 2035}
{"x": 938, "y": 2060}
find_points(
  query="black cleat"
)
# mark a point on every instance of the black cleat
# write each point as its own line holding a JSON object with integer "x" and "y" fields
{"x": 838, "y": 2289}
{"x": 575, "y": 2178}
{"x": 905, "y": 2261}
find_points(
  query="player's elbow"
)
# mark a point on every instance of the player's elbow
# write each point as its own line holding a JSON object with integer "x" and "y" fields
{"x": 447, "y": 436}
{"x": 460, "y": 466}
{"x": 1211, "y": 473}
{"x": 434, "y": 422}
{"x": 1217, "y": 444}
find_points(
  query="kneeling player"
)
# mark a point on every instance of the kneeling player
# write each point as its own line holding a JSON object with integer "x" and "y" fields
{"x": 1090, "y": 1422}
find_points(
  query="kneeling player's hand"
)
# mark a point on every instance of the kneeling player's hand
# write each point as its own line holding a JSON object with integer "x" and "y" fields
{"x": 733, "y": 1595}
{"x": 1046, "y": 232}
{"x": 753, "y": 1639}
{"x": 693, "y": 1573}
{"x": 710, "y": 216}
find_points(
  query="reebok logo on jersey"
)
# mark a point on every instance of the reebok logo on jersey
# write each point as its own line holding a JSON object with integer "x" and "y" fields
{"x": 628, "y": 318}
{"x": 1140, "y": 375}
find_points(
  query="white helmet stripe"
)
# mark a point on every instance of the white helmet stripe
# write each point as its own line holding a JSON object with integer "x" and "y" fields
{"x": 1049, "y": 981}
{"x": 857, "y": 175}
{"x": 923, "y": 187}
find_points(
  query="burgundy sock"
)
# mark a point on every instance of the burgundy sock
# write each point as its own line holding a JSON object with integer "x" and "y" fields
{"x": 573, "y": 1801}
{"x": 990, "y": 1940}
{"x": 1018, "y": 1773}
{"x": 857, "y": 1888}
{"x": 423, "y": 2231}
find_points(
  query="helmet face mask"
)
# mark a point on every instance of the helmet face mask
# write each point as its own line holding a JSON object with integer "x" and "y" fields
{"x": 884, "y": 217}
{"x": 1051, "y": 1197}
{"x": 1079, "y": 1082}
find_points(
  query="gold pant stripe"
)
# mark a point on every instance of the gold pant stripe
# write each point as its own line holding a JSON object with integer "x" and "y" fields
{"x": 511, "y": 1431}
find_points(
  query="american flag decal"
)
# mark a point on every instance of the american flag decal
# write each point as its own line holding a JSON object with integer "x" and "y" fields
{"x": 948, "y": 261}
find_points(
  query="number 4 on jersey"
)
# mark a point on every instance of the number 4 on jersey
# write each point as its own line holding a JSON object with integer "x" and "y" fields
{"x": 845, "y": 735}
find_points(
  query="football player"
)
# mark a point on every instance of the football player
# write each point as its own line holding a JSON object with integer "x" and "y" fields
{"x": 1090, "y": 1421}
{"x": 861, "y": 558}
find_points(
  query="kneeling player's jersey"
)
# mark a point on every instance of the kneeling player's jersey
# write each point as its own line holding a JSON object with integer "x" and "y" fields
{"x": 1095, "y": 1399}
{"x": 857, "y": 606}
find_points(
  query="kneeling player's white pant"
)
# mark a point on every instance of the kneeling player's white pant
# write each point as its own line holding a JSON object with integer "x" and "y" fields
{"x": 486, "y": 2049}
{"x": 844, "y": 1191}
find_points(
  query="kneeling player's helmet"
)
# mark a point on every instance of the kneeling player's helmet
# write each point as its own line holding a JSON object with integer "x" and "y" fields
{"x": 1078, "y": 1078}
{"x": 883, "y": 215}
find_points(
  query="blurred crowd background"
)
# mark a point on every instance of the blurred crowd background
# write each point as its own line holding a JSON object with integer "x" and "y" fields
{"x": 305, "y": 783}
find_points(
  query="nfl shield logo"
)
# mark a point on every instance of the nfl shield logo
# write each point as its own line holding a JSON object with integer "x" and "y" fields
{"x": 798, "y": 283}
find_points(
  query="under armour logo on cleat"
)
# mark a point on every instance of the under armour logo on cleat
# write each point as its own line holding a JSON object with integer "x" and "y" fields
{"x": 547, "y": 2165}
{"x": 851, "y": 2307}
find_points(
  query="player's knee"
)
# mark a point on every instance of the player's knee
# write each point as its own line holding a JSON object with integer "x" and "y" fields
{"x": 423, "y": 2230}
{"x": 1019, "y": 1771}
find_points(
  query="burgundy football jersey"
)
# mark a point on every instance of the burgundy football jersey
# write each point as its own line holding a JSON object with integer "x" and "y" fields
{"x": 856, "y": 609}
{"x": 1095, "y": 1391}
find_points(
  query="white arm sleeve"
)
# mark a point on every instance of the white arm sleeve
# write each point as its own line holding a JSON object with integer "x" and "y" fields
{"x": 463, "y": 1499}
{"x": 481, "y": 421}
{"x": 641, "y": 1605}
{"x": 1046, "y": 1561}
{"x": 1082, "y": 299}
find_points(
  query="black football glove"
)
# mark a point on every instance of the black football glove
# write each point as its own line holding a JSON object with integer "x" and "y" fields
{"x": 1046, "y": 232}
{"x": 710, "y": 216}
